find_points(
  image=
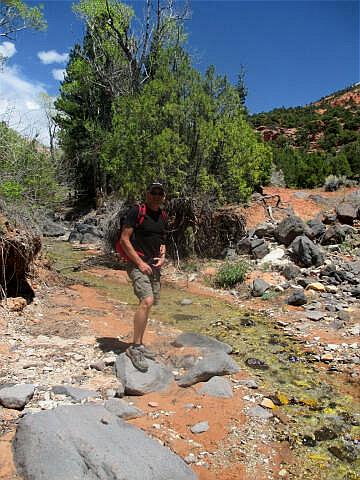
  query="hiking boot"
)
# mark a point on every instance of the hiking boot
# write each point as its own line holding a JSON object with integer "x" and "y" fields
{"x": 138, "y": 359}
{"x": 146, "y": 352}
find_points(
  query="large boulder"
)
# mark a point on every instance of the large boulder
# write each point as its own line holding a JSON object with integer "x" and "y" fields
{"x": 290, "y": 228}
{"x": 88, "y": 442}
{"x": 305, "y": 253}
{"x": 157, "y": 378}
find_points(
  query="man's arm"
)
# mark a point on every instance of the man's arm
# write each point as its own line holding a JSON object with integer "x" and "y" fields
{"x": 130, "y": 251}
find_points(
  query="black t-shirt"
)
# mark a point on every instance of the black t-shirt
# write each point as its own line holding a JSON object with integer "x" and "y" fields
{"x": 148, "y": 236}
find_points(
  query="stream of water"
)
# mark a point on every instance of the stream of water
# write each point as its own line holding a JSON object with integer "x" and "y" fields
{"x": 323, "y": 426}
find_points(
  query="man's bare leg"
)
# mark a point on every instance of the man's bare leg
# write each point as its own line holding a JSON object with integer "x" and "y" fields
{"x": 140, "y": 319}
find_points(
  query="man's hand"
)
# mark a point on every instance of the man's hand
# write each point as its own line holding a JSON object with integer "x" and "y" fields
{"x": 159, "y": 262}
{"x": 145, "y": 268}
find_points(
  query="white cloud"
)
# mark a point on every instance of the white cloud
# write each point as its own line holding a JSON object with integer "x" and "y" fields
{"x": 58, "y": 74}
{"x": 20, "y": 106}
{"x": 52, "y": 56}
{"x": 31, "y": 105}
{"x": 7, "y": 49}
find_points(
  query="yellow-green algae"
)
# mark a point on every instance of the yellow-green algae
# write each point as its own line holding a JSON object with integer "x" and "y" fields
{"x": 310, "y": 398}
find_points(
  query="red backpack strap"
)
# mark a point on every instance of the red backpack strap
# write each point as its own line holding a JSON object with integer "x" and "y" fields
{"x": 163, "y": 215}
{"x": 141, "y": 214}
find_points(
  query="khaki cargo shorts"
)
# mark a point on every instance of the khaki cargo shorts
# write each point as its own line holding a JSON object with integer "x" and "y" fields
{"x": 145, "y": 285}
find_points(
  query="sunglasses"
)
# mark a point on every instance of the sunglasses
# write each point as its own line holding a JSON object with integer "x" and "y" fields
{"x": 159, "y": 193}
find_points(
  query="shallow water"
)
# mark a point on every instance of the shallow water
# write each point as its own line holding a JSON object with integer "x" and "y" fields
{"x": 309, "y": 397}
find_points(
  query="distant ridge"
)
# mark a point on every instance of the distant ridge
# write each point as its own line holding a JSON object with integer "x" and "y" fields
{"x": 318, "y": 140}
{"x": 329, "y": 123}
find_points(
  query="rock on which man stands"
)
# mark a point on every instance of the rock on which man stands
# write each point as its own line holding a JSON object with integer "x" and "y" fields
{"x": 91, "y": 443}
{"x": 157, "y": 378}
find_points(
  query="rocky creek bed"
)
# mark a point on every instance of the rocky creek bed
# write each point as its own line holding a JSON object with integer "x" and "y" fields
{"x": 299, "y": 396}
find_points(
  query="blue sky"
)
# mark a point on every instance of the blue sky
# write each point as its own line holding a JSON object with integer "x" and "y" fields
{"x": 294, "y": 52}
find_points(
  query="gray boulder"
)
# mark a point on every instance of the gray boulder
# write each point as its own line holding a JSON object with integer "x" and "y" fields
{"x": 217, "y": 387}
{"x": 259, "y": 248}
{"x": 91, "y": 443}
{"x": 265, "y": 230}
{"x": 290, "y": 228}
{"x": 16, "y": 396}
{"x": 317, "y": 227}
{"x": 157, "y": 378}
{"x": 200, "y": 427}
{"x": 333, "y": 235}
{"x": 259, "y": 287}
{"x": 305, "y": 252}
{"x": 214, "y": 364}
{"x": 201, "y": 341}
{"x": 290, "y": 271}
{"x": 297, "y": 298}
{"x": 75, "y": 236}
{"x": 259, "y": 412}
{"x": 52, "y": 229}
{"x": 244, "y": 245}
{"x": 77, "y": 394}
{"x": 346, "y": 213}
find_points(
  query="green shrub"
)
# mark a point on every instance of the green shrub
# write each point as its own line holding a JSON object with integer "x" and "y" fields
{"x": 10, "y": 190}
{"x": 230, "y": 274}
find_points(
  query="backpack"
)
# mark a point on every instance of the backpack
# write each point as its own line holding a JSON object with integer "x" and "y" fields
{"x": 139, "y": 220}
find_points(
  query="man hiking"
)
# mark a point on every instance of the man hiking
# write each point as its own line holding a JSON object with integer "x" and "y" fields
{"x": 143, "y": 241}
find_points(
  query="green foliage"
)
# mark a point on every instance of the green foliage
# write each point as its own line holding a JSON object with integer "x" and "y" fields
{"x": 174, "y": 130}
{"x": 27, "y": 172}
{"x": 10, "y": 190}
{"x": 231, "y": 274}
{"x": 16, "y": 15}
